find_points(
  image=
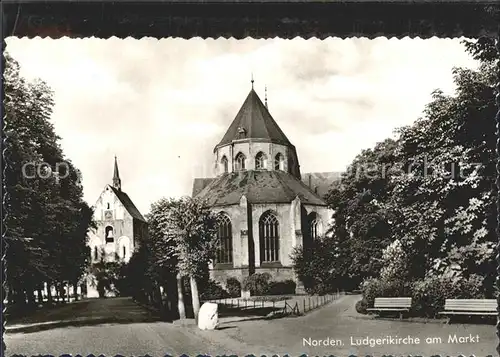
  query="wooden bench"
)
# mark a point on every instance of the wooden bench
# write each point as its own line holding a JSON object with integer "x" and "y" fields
{"x": 392, "y": 304}
{"x": 481, "y": 307}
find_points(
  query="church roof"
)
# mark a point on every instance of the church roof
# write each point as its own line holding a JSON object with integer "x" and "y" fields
{"x": 258, "y": 187}
{"x": 200, "y": 183}
{"x": 321, "y": 182}
{"x": 257, "y": 122}
{"x": 128, "y": 204}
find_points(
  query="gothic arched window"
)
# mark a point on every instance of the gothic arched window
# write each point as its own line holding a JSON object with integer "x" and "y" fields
{"x": 269, "y": 237}
{"x": 315, "y": 225}
{"x": 279, "y": 162}
{"x": 260, "y": 161}
{"x": 224, "y": 163}
{"x": 240, "y": 162}
{"x": 124, "y": 252}
{"x": 225, "y": 237}
{"x": 96, "y": 254}
{"x": 109, "y": 234}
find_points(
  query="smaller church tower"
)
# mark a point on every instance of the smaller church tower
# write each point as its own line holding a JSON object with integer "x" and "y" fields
{"x": 120, "y": 227}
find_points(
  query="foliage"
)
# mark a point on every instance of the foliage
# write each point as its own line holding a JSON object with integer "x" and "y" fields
{"x": 47, "y": 221}
{"x": 107, "y": 274}
{"x": 286, "y": 287}
{"x": 361, "y": 307}
{"x": 432, "y": 189}
{"x": 374, "y": 288}
{"x": 429, "y": 295}
{"x": 362, "y": 222}
{"x": 183, "y": 240}
{"x": 233, "y": 286}
{"x": 394, "y": 262}
{"x": 321, "y": 266}
{"x": 257, "y": 283}
{"x": 134, "y": 278}
{"x": 214, "y": 290}
{"x": 183, "y": 236}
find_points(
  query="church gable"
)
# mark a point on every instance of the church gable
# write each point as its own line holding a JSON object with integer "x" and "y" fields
{"x": 128, "y": 204}
{"x": 109, "y": 206}
{"x": 113, "y": 203}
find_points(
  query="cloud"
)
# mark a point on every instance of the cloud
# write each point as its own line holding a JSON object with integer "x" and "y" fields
{"x": 162, "y": 105}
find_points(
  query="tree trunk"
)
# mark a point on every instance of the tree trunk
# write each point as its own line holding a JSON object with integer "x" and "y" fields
{"x": 30, "y": 296}
{"x": 75, "y": 290}
{"x": 172, "y": 297}
{"x": 67, "y": 293}
{"x": 10, "y": 294}
{"x": 156, "y": 295}
{"x": 49, "y": 293}
{"x": 180, "y": 298}
{"x": 40, "y": 295}
{"x": 195, "y": 297}
{"x": 60, "y": 288}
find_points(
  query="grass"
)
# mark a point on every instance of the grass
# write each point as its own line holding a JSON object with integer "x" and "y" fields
{"x": 85, "y": 310}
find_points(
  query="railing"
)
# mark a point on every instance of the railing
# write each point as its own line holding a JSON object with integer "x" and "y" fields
{"x": 296, "y": 305}
{"x": 310, "y": 303}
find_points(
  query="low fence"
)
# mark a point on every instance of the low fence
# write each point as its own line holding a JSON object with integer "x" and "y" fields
{"x": 310, "y": 303}
{"x": 295, "y": 305}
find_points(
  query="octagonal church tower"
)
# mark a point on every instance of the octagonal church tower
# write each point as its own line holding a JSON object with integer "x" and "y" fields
{"x": 264, "y": 208}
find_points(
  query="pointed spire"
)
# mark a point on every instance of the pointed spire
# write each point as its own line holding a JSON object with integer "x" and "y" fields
{"x": 265, "y": 98}
{"x": 117, "y": 183}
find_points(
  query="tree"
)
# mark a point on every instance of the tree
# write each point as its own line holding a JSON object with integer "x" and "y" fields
{"x": 47, "y": 220}
{"x": 162, "y": 257}
{"x": 362, "y": 222}
{"x": 445, "y": 199}
{"x": 437, "y": 199}
{"x": 106, "y": 273}
{"x": 184, "y": 240}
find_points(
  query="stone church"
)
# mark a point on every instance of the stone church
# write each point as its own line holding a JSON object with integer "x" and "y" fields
{"x": 265, "y": 206}
{"x": 120, "y": 226}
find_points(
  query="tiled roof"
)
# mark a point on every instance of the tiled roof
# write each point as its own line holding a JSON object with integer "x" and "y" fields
{"x": 128, "y": 204}
{"x": 257, "y": 122}
{"x": 199, "y": 184}
{"x": 321, "y": 182}
{"x": 258, "y": 187}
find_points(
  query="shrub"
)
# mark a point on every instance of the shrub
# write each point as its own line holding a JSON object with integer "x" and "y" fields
{"x": 394, "y": 262}
{"x": 320, "y": 289}
{"x": 257, "y": 283}
{"x": 374, "y": 288}
{"x": 233, "y": 287}
{"x": 361, "y": 307}
{"x": 213, "y": 290}
{"x": 429, "y": 295}
{"x": 285, "y": 287}
{"x": 316, "y": 265}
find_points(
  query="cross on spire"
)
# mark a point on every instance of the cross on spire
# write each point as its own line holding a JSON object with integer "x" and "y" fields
{"x": 265, "y": 98}
{"x": 252, "y": 80}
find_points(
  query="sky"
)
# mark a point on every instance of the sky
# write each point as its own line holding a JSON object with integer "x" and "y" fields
{"x": 161, "y": 106}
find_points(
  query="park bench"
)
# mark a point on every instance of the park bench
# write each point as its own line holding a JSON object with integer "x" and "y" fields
{"x": 478, "y": 307}
{"x": 392, "y": 304}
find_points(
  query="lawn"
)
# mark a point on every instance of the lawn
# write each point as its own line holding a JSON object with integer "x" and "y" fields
{"x": 339, "y": 321}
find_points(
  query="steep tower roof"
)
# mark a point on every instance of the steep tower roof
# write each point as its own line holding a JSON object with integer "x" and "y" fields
{"x": 254, "y": 121}
{"x": 117, "y": 183}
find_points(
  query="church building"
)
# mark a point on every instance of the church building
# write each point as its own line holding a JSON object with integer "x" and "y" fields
{"x": 264, "y": 207}
{"x": 120, "y": 226}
